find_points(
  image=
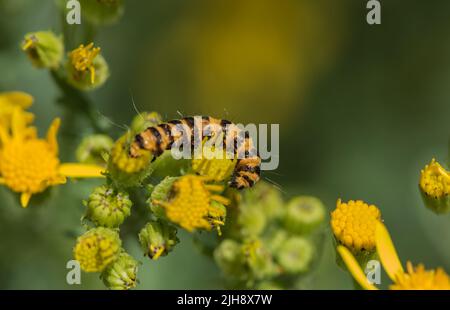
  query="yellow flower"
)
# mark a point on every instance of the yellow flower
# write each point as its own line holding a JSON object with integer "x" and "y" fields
{"x": 87, "y": 69}
{"x": 434, "y": 185}
{"x": 435, "y": 180}
{"x": 414, "y": 278}
{"x": 418, "y": 278}
{"x": 9, "y": 101}
{"x": 29, "y": 165}
{"x": 97, "y": 248}
{"x": 82, "y": 59}
{"x": 192, "y": 205}
{"x": 354, "y": 223}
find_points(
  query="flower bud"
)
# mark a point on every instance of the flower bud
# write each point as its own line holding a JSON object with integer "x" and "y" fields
{"x": 144, "y": 120}
{"x": 259, "y": 260}
{"x": 102, "y": 12}
{"x": 229, "y": 257}
{"x": 434, "y": 186}
{"x": 122, "y": 273}
{"x": 304, "y": 214}
{"x": 97, "y": 248}
{"x": 251, "y": 220}
{"x": 275, "y": 239}
{"x": 93, "y": 149}
{"x": 295, "y": 255}
{"x": 108, "y": 207}
{"x": 44, "y": 49}
{"x": 124, "y": 170}
{"x": 266, "y": 198}
{"x": 157, "y": 239}
{"x": 160, "y": 193}
{"x": 86, "y": 67}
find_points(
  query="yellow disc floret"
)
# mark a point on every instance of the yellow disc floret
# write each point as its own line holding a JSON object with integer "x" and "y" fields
{"x": 435, "y": 180}
{"x": 419, "y": 278}
{"x": 353, "y": 224}
{"x": 29, "y": 166}
{"x": 96, "y": 249}
{"x": 82, "y": 59}
{"x": 192, "y": 205}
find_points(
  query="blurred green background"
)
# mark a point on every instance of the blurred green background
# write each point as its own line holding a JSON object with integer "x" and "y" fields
{"x": 361, "y": 110}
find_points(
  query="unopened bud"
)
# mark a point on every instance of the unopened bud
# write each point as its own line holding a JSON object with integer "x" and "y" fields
{"x": 157, "y": 239}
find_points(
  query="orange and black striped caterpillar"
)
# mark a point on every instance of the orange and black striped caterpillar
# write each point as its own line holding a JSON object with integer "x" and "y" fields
{"x": 161, "y": 137}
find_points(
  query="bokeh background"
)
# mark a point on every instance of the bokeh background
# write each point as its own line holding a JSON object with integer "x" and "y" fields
{"x": 361, "y": 110}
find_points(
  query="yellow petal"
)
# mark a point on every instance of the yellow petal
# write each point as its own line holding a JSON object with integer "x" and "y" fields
{"x": 4, "y": 136}
{"x": 2, "y": 181}
{"x": 18, "y": 124}
{"x": 21, "y": 99}
{"x": 51, "y": 135}
{"x": 386, "y": 251}
{"x": 354, "y": 268}
{"x": 25, "y": 199}
{"x": 75, "y": 170}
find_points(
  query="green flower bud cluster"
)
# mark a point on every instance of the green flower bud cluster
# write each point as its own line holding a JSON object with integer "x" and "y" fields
{"x": 100, "y": 248}
{"x": 271, "y": 243}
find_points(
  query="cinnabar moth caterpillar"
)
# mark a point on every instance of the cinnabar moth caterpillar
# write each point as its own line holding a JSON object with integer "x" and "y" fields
{"x": 159, "y": 138}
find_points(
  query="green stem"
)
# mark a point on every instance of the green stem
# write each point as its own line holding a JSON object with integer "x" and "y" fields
{"x": 77, "y": 101}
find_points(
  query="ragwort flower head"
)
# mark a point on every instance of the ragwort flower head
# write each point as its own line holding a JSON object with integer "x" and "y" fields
{"x": 230, "y": 257}
{"x": 415, "y": 278}
{"x": 86, "y": 67}
{"x": 108, "y": 206}
{"x": 295, "y": 255}
{"x": 304, "y": 214}
{"x": 125, "y": 170}
{"x": 29, "y": 165}
{"x": 44, "y": 49}
{"x": 122, "y": 273}
{"x": 157, "y": 239}
{"x": 418, "y": 278}
{"x": 434, "y": 186}
{"x": 192, "y": 204}
{"x": 353, "y": 224}
{"x": 97, "y": 248}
